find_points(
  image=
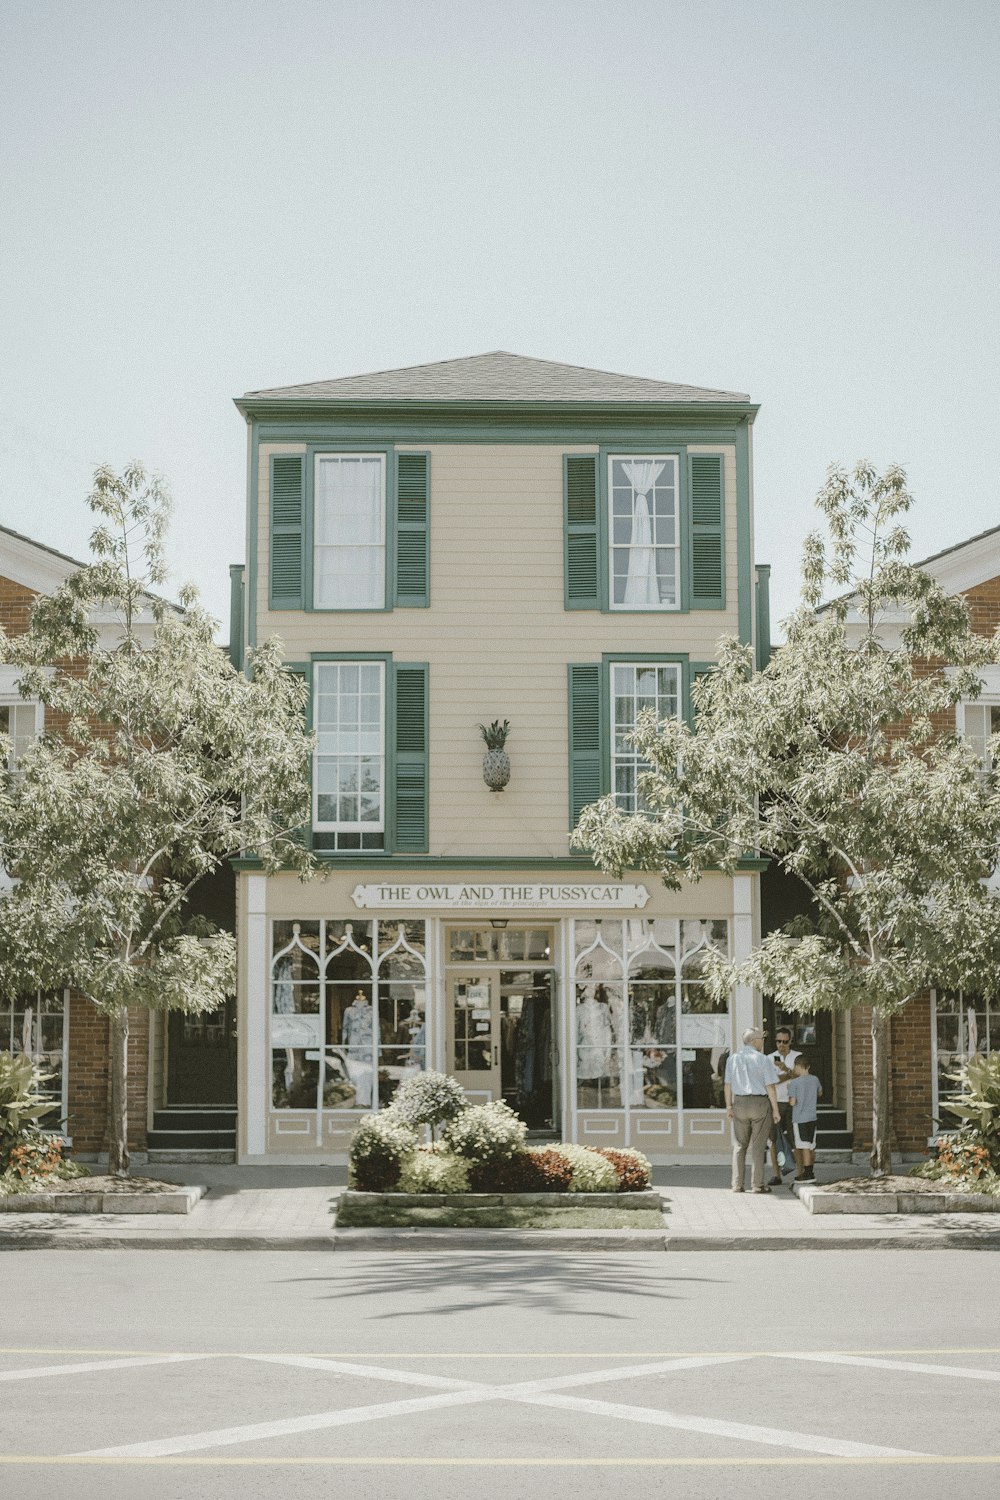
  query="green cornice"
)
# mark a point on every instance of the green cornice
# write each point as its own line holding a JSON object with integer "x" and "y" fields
{"x": 494, "y": 413}
{"x": 342, "y": 861}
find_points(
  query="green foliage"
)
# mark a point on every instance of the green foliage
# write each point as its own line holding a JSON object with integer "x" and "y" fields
{"x": 495, "y": 735}
{"x": 432, "y": 1171}
{"x": 428, "y": 1099}
{"x": 167, "y": 764}
{"x": 22, "y": 1106}
{"x": 379, "y": 1146}
{"x": 485, "y": 1132}
{"x": 979, "y": 1105}
{"x": 592, "y": 1172}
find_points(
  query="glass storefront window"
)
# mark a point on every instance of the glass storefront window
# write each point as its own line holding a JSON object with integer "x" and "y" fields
{"x": 663, "y": 1037}
{"x": 402, "y": 1005}
{"x": 348, "y": 1001}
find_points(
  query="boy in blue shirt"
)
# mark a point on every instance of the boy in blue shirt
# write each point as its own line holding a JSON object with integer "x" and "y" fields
{"x": 804, "y": 1091}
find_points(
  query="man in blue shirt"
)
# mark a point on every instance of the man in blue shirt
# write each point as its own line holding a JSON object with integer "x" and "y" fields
{"x": 751, "y": 1103}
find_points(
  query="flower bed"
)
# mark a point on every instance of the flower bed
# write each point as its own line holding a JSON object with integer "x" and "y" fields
{"x": 482, "y": 1150}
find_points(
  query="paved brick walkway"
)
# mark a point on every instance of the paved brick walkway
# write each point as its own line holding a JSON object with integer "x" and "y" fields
{"x": 293, "y": 1208}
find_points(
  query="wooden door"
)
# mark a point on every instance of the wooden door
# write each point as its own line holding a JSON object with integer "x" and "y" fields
{"x": 474, "y": 1033}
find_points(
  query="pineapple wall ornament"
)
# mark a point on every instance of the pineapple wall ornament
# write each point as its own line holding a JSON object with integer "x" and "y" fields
{"x": 496, "y": 761}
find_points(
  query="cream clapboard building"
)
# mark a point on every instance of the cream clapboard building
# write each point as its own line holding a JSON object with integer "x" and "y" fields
{"x": 439, "y": 547}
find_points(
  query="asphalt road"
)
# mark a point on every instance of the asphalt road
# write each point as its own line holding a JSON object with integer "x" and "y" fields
{"x": 207, "y": 1374}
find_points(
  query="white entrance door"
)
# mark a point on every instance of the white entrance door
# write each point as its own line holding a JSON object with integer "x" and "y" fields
{"x": 474, "y": 1034}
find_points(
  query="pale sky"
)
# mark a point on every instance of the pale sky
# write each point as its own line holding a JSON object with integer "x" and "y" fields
{"x": 200, "y": 197}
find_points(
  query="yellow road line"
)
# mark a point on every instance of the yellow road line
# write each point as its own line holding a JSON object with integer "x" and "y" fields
{"x": 601, "y": 1354}
{"x": 938, "y": 1460}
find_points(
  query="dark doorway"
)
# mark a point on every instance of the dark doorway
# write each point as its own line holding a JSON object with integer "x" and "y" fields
{"x": 201, "y": 1057}
{"x": 527, "y": 1047}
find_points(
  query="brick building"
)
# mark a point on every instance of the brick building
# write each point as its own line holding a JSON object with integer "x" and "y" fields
{"x": 936, "y": 1033}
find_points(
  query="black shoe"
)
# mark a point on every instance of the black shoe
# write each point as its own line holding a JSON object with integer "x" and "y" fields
{"x": 775, "y": 1182}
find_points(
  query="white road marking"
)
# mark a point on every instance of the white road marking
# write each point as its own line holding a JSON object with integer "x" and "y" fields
{"x": 776, "y": 1437}
{"x": 624, "y": 1372}
{"x": 957, "y": 1371}
{"x": 531, "y": 1393}
{"x": 368, "y": 1372}
{"x": 37, "y": 1372}
{"x": 224, "y": 1437}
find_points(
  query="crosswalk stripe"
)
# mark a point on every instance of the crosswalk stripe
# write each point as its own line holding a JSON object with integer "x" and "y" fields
{"x": 38, "y": 1372}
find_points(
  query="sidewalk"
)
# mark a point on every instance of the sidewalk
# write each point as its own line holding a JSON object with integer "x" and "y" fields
{"x": 293, "y": 1208}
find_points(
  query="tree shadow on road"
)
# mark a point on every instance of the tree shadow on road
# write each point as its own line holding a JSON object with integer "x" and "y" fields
{"x": 444, "y": 1284}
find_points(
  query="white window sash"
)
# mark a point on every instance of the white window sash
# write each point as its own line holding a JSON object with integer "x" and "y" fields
{"x": 665, "y": 459}
{"x": 347, "y": 547}
{"x": 631, "y": 756}
{"x": 369, "y": 826}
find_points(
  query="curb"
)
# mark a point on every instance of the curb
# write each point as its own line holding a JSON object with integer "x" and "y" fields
{"x": 182, "y": 1201}
{"x": 550, "y": 1241}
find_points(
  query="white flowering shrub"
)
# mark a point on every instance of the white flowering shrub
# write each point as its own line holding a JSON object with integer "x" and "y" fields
{"x": 379, "y": 1147}
{"x": 432, "y": 1171}
{"x": 592, "y": 1173}
{"x": 485, "y": 1133}
{"x": 428, "y": 1099}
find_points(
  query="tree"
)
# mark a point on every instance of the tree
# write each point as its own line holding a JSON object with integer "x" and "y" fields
{"x": 837, "y": 763}
{"x": 159, "y": 763}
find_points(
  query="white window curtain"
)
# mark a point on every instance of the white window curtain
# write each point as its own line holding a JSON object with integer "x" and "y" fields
{"x": 349, "y": 532}
{"x": 641, "y": 586}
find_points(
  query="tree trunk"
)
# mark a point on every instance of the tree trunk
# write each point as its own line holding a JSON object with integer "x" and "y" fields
{"x": 118, "y": 1096}
{"x": 881, "y": 1157}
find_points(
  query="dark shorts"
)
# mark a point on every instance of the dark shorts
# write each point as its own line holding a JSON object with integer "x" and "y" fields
{"x": 805, "y": 1135}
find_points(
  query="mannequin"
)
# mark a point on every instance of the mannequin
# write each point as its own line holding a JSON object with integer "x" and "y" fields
{"x": 356, "y": 1033}
{"x": 357, "y": 1026}
{"x": 594, "y": 1035}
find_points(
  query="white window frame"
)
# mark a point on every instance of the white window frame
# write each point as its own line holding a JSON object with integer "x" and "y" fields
{"x": 633, "y": 755}
{"x": 991, "y": 1004}
{"x": 985, "y": 701}
{"x": 11, "y": 698}
{"x": 318, "y": 547}
{"x": 665, "y": 458}
{"x": 320, "y": 826}
{"x": 7, "y": 1009}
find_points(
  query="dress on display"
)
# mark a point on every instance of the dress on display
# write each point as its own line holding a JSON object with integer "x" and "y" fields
{"x": 356, "y": 1033}
{"x": 594, "y": 1039}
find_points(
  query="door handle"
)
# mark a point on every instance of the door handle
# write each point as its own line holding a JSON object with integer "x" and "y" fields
{"x": 496, "y": 1054}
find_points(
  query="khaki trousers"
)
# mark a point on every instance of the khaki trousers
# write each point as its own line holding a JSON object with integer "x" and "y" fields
{"x": 751, "y": 1128}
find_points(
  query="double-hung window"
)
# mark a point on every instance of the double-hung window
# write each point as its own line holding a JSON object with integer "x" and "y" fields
{"x": 349, "y": 531}
{"x": 349, "y": 782}
{"x": 635, "y": 687}
{"x": 19, "y": 722}
{"x": 979, "y": 722}
{"x": 644, "y": 526}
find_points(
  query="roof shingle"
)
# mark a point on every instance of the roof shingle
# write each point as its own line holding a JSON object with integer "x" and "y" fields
{"x": 498, "y": 376}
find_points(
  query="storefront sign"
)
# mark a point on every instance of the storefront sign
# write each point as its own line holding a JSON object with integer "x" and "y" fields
{"x": 479, "y": 896}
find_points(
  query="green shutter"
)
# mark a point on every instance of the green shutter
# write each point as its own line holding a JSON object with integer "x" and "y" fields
{"x": 706, "y": 474}
{"x": 412, "y": 551}
{"x": 586, "y": 780}
{"x": 410, "y": 759}
{"x": 287, "y": 530}
{"x": 582, "y": 572}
